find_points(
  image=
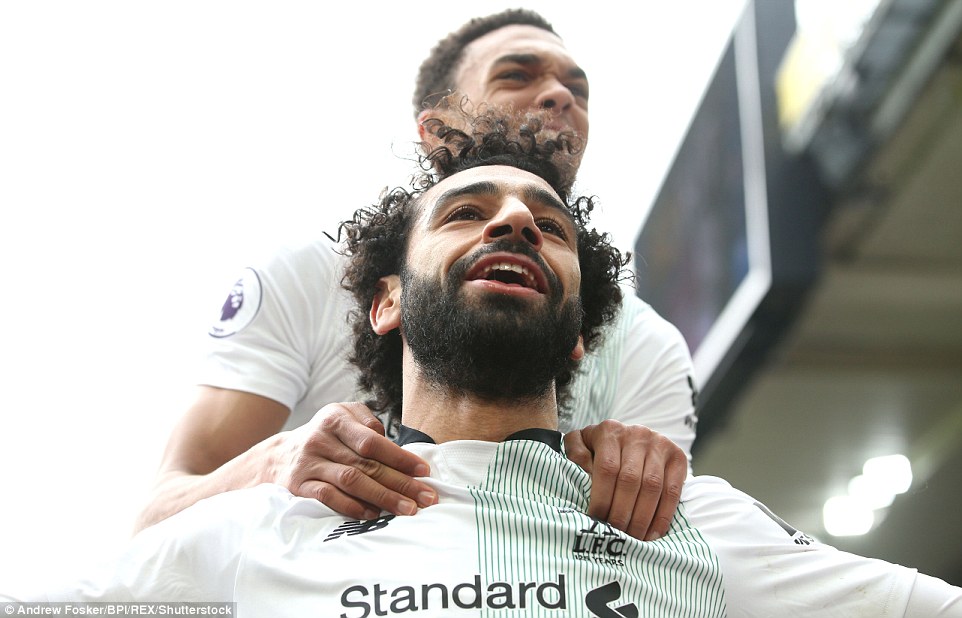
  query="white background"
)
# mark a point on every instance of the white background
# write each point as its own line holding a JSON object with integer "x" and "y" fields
{"x": 148, "y": 151}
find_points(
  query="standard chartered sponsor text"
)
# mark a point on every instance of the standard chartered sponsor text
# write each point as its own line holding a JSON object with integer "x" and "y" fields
{"x": 363, "y": 599}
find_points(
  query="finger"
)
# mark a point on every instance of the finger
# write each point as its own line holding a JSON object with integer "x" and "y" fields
{"x": 577, "y": 451}
{"x": 337, "y": 500}
{"x": 651, "y": 482}
{"x": 370, "y": 444}
{"x": 367, "y": 480}
{"x": 624, "y": 511}
{"x": 353, "y": 482}
{"x": 363, "y": 415}
{"x": 605, "y": 465}
{"x": 398, "y": 483}
{"x": 675, "y": 475}
{"x": 665, "y": 469}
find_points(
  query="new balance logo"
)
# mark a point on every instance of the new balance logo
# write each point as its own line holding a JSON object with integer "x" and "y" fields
{"x": 598, "y": 599}
{"x": 694, "y": 395}
{"x": 354, "y": 527}
{"x": 798, "y": 537}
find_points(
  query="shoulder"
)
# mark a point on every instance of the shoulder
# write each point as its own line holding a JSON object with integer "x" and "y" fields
{"x": 291, "y": 285}
{"x": 729, "y": 513}
{"x": 642, "y": 341}
{"x": 639, "y": 322}
{"x": 193, "y": 555}
{"x": 314, "y": 257}
{"x": 767, "y": 564}
{"x": 227, "y": 519}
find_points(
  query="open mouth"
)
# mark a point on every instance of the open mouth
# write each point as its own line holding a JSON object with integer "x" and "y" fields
{"x": 509, "y": 271}
{"x": 512, "y": 274}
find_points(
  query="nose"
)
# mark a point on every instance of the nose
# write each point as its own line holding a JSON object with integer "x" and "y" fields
{"x": 514, "y": 222}
{"x": 554, "y": 96}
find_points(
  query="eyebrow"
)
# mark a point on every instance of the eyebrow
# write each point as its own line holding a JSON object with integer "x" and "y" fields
{"x": 493, "y": 189}
{"x": 528, "y": 60}
{"x": 539, "y": 195}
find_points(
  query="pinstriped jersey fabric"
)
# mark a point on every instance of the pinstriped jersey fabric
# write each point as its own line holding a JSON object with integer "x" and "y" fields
{"x": 531, "y": 526}
{"x": 594, "y": 387}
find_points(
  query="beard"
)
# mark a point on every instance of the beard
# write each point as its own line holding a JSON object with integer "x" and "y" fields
{"x": 495, "y": 347}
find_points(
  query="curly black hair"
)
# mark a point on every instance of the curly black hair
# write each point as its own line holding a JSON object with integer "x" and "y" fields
{"x": 436, "y": 75}
{"x": 376, "y": 242}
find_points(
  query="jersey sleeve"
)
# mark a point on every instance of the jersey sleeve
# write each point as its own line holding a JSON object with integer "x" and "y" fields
{"x": 934, "y": 598}
{"x": 656, "y": 388}
{"x": 281, "y": 322}
{"x": 771, "y": 569}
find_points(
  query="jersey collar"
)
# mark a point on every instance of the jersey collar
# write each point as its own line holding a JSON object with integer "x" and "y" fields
{"x": 406, "y": 435}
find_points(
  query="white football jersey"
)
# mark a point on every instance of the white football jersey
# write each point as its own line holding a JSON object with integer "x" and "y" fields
{"x": 508, "y": 537}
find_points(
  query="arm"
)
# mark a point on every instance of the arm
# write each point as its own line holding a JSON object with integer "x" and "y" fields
{"x": 227, "y": 440}
{"x": 933, "y": 597}
{"x": 772, "y": 569}
{"x": 199, "y": 459}
{"x": 642, "y": 377}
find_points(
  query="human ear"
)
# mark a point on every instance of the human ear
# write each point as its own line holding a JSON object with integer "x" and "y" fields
{"x": 433, "y": 119}
{"x": 386, "y": 306}
{"x": 423, "y": 133}
{"x": 579, "y": 352}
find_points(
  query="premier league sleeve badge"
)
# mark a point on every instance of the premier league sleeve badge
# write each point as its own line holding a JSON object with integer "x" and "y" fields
{"x": 242, "y": 303}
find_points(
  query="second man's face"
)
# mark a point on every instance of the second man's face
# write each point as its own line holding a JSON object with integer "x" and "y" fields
{"x": 526, "y": 69}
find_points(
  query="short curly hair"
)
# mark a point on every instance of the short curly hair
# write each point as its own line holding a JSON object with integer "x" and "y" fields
{"x": 375, "y": 240}
{"x": 436, "y": 75}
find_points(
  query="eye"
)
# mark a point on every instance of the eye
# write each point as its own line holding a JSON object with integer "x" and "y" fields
{"x": 550, "y": 226}
{"x": 578, "y": 90}
{"x": 466, "y": 212}
{"x": 514, "y": 75}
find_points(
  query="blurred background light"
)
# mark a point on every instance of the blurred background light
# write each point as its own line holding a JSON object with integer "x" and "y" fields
{"x": 847, "y": 516}
{"x": 891, "y": 471}
{"x": 881, "y": 480}
{"x": 872, "y": 494}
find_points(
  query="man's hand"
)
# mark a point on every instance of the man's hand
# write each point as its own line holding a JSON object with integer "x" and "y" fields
{"x": 342, "y": 458}
{"x": 636, "y": 476}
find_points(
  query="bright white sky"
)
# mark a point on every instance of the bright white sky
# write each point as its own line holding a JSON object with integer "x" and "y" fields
{"x": 149, "y": 151}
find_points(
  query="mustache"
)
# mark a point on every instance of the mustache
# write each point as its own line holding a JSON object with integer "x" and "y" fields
{"x": 460, "y": 268}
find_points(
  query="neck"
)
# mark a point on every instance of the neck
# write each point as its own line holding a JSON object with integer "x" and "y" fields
{"x": 447, "y": 416}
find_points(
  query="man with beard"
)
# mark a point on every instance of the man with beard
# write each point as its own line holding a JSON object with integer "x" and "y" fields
{"x": 476, "y": 295}
{"x": 275, "y": 355}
